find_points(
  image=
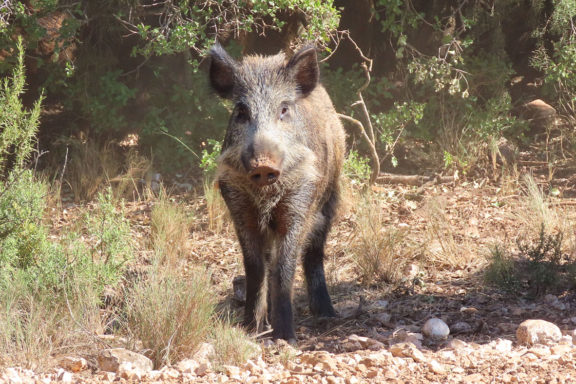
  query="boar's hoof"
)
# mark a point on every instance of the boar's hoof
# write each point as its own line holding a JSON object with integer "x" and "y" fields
{"x": 264, "y": 175}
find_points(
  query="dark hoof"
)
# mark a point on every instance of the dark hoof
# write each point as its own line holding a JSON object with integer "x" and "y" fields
{"x": 324, "y": 311}
{"x": 286, "y": 336}
{"x": 279, "y": 343}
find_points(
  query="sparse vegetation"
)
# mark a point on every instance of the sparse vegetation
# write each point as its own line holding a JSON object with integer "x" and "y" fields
{"x": 171, "y": 314}
{"x": 539, "y": 210}
{"x": 232, "y": 345}
{"x": 539, "y": 268}
{"x": 543, "y": 261}
{"x": 450, "y": 82}
{"x": 170, "y": 224}
{"x": 443, "y": 250}
{"x": 501, "y": 270}
{"x": 380, "y": 252}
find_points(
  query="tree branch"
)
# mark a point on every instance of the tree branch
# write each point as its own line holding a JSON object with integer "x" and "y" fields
{"x": 373, "y": 153}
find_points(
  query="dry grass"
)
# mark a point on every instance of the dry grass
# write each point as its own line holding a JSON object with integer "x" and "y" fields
{"x": 536, "y": 209}
{"x": 443, "y": 249}
{"x": 127, "y": 183}
{"x": 171, "y": 315}
{"x": 170, "y": 312}
{"x": 89, "y": 168}
{"x": 218, "y": 216}
{"x": 232, "y": 345}
{"x": 380, "y": 252}
{"x": 170, "y": 225}
{"x": 34, "y": 325}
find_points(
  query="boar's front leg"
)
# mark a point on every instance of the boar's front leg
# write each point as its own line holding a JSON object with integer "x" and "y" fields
{"x": 281, "y": 280}
{"x": 289, "y": 223}
{"x": 244, "y": 216}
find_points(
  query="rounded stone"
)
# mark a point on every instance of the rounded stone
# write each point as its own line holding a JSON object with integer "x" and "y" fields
{"x": 435, "y": 329}
{"x": 536, "y": 331}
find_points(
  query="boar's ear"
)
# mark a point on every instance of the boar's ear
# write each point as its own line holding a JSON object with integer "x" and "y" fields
{"x": 303, "y": 66}
{"x": 221, "y": 71}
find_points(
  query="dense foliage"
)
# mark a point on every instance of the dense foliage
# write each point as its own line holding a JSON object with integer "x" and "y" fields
{"x": 450, "y": 73}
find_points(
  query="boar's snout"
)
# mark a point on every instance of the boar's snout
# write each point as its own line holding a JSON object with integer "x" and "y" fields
{"x": 263, "y": 161}
{"x": 264, "y": 175}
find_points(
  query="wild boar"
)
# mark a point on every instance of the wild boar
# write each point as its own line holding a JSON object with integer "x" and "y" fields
{"x": 279, "y": 175}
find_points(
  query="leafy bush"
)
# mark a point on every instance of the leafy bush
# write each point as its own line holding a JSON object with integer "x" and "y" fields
{"x": 502, "y": 269}
{"x": 356, "y": 168}
{"x": 559, "y": 63}
{"x": 392, "y": 124}
{"x": 49, "y": 290}
{"x": 18, "y": 126}
{"x": 544, "y": 257}
{"x": 209, "y": 160}
{"x": 185, "y": 24}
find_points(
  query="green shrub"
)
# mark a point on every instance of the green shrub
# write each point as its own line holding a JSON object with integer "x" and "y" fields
{"x": 391, "y": 125}
{"x": 18, "y": 126}
{"x": 543, "y": 257}
{"x": 22, "y": 234}
{"x": 110, "y": 233}
{"x": 540, "y": 266}
{"x": 209, "y": 160}
{"x": 357, "y": 168}
{"x": 50, "y": 290}
{"x": 502, "y": 269}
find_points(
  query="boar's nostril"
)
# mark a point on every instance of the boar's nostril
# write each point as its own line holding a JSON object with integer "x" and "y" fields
{"x": 264, "y": 175}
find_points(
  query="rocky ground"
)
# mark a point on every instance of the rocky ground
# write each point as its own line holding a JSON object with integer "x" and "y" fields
{"x": 478, "y": 333}
{"x": 539, "y": 354}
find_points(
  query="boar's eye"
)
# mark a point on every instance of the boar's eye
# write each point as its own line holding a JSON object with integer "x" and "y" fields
{"x": 283, "y": 112}
{"x": 242, "y": 113}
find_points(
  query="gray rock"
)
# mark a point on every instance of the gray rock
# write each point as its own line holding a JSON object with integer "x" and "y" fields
{"x": 109, "y": 360}
{"x": 383, "y": 317}
{"x": 435, "y": 329}
{"x": 535, "y": 331}
{"x": 461, "y": 327}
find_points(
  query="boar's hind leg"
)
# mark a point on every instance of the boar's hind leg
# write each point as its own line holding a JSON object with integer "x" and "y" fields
{"x": 319, "y": 299}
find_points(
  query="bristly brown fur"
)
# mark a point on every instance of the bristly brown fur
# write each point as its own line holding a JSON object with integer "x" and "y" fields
{"x": 284, "y": 121}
